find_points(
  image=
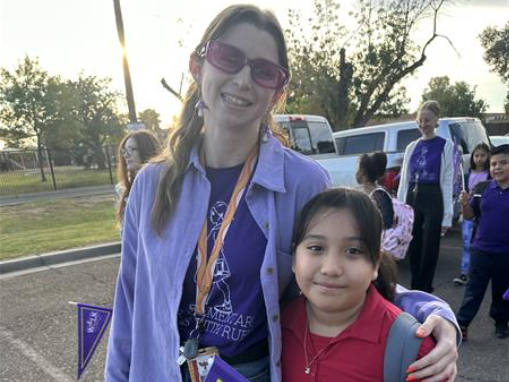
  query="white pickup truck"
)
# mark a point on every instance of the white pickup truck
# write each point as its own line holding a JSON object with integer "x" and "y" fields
{"x": 339, "y": 152}
{"x": 312, "y": 135}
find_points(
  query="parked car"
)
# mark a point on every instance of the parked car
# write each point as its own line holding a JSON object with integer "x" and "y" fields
{"x": 393, "y": 139}
{"x": 497, "y": 140}
{"x": 309, "y": 134}
{"x": 312, "y": 135}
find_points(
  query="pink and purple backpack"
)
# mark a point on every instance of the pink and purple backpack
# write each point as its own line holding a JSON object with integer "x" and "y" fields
{"x": 396, "y": 240}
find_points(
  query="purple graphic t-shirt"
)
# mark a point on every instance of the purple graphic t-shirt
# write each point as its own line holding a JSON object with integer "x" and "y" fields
{"x": 235, "y": 309}
{"x": 425, "y": 161}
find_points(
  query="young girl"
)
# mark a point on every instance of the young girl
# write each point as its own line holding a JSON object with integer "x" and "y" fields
{"x": 479, "y": 171}
{"x": 339, "y": 326}
{"x": 370, "y": 169}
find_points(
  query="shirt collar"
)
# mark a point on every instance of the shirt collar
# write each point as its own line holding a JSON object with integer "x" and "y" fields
{"x": 269, "y": 171}
{"x": 494, "y": 185}
{"x": 367, "y": 327}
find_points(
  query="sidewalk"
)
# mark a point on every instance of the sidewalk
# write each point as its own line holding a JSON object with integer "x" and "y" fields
{"x": 66, "y": 193}
{"x": 53, "y": 258}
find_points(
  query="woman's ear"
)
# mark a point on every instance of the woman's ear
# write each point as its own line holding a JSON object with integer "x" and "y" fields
{"x": 195, "y": 67}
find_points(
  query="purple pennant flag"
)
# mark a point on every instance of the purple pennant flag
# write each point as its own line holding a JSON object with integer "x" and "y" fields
{"x": 92, "y": 323}
{"x": 222, "y": 372}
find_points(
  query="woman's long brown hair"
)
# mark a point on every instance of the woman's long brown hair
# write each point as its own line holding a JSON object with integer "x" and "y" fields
{"x": 175, "y": 155}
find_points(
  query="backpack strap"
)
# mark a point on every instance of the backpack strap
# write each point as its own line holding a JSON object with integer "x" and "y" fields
{"x": 401, "y": 348}
{"x": 478, "y": 191}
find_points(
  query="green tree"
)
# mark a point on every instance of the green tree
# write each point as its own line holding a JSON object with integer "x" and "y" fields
{"x": 352, "y": 75}
{"x": 496, "y": 45}
{"x": 97, "y": 112}
{"x": 456, "y": 100}
{"x": 35, "y": 105}
{"x": 151, "y": 119}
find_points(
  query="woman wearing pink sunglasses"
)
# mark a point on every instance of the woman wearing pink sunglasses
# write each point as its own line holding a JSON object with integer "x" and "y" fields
{"x": 207, "y": 234}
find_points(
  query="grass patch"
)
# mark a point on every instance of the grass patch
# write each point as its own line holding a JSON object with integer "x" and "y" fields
{"x": 28, "y": 181}
{"x": 51, "y": 225}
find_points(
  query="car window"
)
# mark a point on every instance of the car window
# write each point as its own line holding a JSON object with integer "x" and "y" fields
{"x": 459, "y": 137}
{"x": 360, "y": 144}
{"x": 405, "y": 137}
{"x": 321, "y": 137}
{"x": 468, "y": 134}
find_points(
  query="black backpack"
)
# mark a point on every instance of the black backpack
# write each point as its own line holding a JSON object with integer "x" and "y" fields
{"x": 476, "y": 205}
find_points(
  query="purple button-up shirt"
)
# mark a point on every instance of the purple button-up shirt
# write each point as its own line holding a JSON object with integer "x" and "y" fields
{"x": 144, "y": 338}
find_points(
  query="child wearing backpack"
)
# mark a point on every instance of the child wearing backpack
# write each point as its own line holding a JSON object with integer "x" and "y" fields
{"x": 479, "y": 172}
{"x": 338, "y": 328}
{"x": 397, "y": 217}
{"x": 489, "y": 205}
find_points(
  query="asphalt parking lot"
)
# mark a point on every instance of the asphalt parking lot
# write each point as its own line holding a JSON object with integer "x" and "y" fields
{"x": 38, "y": 339}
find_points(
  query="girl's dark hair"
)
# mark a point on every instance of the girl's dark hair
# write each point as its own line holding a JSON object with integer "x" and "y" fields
{"x": 369, "y": 223}
{"x": 373, "y": 165}
{"x": 484, "y": 147}
{"x": 148, "y": 146}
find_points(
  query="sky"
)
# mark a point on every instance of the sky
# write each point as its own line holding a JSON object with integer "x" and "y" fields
{"x": 69, "y": 36}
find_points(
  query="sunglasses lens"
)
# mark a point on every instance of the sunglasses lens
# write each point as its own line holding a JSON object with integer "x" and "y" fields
{"x": 225, "y": 57}
{"x": 267, "y": 74}
{"x": 231, "y": 60}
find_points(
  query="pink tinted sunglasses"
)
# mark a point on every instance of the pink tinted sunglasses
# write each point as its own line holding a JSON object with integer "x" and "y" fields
{"x": 231, "y": 60}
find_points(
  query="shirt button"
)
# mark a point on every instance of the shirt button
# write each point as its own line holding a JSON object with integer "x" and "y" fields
{"x": 270, "y": 271}
{"x": 278, "y": 364}
{"x": 275, "y": 318}
{"x": 266, "y": 225}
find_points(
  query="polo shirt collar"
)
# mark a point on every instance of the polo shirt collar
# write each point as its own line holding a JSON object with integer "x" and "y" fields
{"x": 269, "y": 172}
{"x": 494, "y": 186}
{"x": 367, "y": 327}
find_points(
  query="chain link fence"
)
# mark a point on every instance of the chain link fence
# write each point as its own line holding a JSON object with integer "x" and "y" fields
{"x": 27, "y": 171}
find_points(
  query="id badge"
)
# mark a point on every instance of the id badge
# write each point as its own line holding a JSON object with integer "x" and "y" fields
{"x": 199, "y": 366}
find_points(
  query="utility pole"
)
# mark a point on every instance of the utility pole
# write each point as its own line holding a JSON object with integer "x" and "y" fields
{"x": 127, "y": 75}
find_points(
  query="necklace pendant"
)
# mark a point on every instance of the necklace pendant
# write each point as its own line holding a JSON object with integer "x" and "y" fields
{"x": 307, "y": 370}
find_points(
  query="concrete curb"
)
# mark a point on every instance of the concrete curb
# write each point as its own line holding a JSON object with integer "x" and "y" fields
{"x": 59, "y": 257}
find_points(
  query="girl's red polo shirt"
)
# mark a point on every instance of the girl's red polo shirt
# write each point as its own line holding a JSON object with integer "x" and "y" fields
{"x": 355, "y": 355}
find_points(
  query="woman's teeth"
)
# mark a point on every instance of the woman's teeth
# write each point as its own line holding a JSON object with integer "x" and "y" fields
{"x": 235, "y": 100}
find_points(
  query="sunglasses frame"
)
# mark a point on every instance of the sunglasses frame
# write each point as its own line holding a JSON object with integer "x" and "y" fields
{"x": 284, "y": 73}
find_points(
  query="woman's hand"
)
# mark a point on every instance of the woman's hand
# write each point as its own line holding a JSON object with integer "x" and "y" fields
{"x": 440, "y": 363}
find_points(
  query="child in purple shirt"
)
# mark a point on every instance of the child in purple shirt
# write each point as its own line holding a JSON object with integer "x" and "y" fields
{"x": 489, "y": 205}
{"x": 479, "y": 172}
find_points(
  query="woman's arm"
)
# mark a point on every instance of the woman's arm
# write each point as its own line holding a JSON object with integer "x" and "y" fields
{"x": 404, "y": 178}
{"x": 118, "y": 358}
{"x": 439, "y": 320}
{"x": 447, "y": 182}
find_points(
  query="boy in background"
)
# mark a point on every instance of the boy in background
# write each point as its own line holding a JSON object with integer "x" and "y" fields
{"x": 489, "y": 206}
